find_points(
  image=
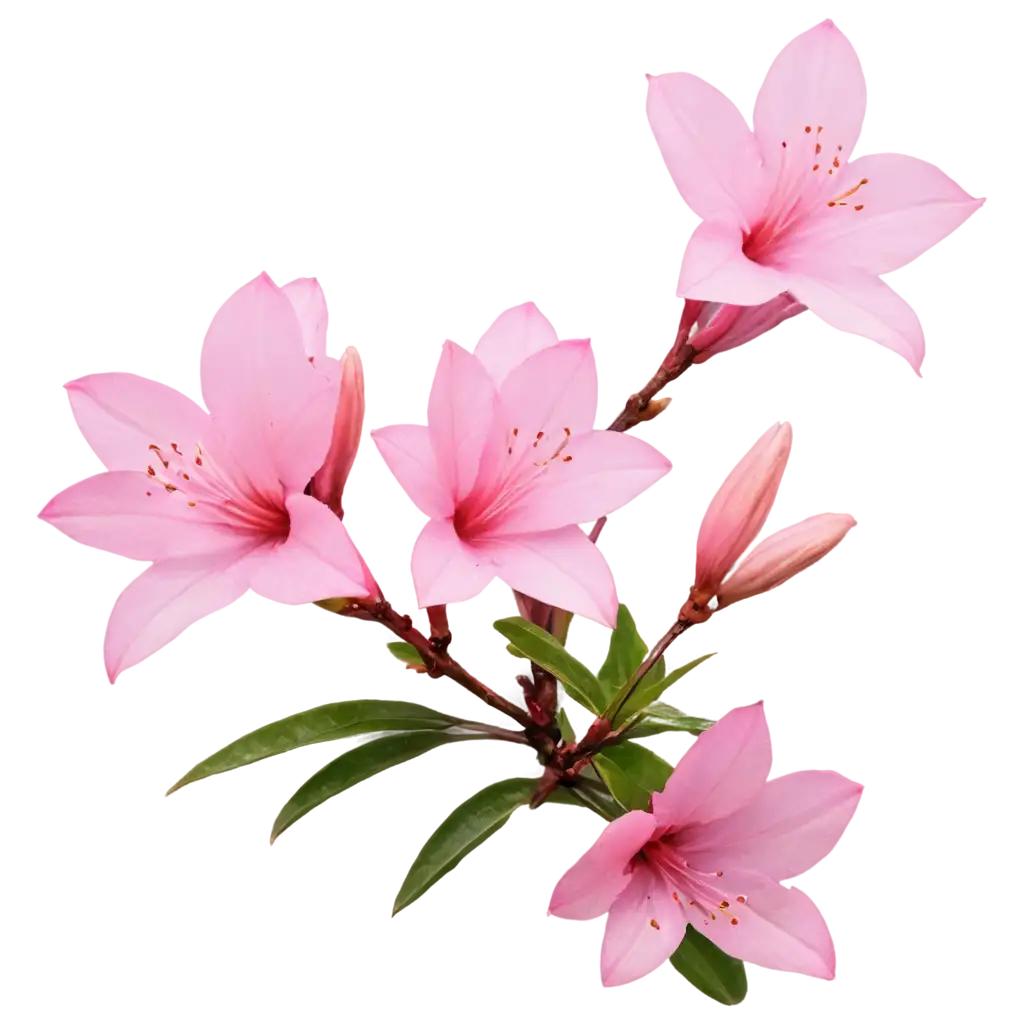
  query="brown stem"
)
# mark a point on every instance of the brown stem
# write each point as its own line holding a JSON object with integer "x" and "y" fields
{"x": 438, "y": 663}
{"x": 677, "y": 629}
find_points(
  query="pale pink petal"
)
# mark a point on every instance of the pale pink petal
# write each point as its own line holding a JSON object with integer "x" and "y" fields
{"x": 708, "y": 148}
{"x": 329, "y": 480}
{"x": 313, "y": 306}
{"x": 407, "y": 450}
{"x": 559, "y": 567}
{"x": 645, "y": 926}
{"x": 459, "y": 417}
{"x": 785, "y": 830}
{"x": 782, "y": 555}
{"x": 597, "y": 473}
{"x": 168, "y": 597}
{"x": 590, "y": 886}
{"x": 715, "y": 269}
{"x": 750, "y": 323}
{"x": 317, "y": 561}
{"x": 778, "y": 928}
{"x": 887, "y": 210}
{"x": 740, "y": 507}
{"x": 275, "y": 408}
{"x": 516, "y": 335}
{"x": 552, "y": 390}
{"x": 723, "y": 771}
{"x": 121, "y": 415}
{"x": 445, "y": 569}
{"x": 127, "y": 513}
{"x": 815, "y": 80}
{"x": 859, "y": 303}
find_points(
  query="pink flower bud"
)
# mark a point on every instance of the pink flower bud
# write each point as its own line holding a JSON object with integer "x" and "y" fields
{"x": 719, "y": 330}
{"x": 329, "y": 481}
{"x": 738, "y": 511}
{"x": 783, "y": 555}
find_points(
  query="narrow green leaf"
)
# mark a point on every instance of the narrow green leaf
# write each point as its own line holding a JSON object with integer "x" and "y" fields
{"x": 632, "y": 773}
{"x": 540, "y": 646}
{"x": 707, "y": 968}
{"x": 626, "y": 652}
{"x": 514, "y": 651}
{"x": 651, "y": 687}
{"x": 356, "y": 766}
{"x": 661, "y": 717}
{"x": 405, "y": 653}
{"x": 463, "y": 831}
{"x": 565, "y": 726}
{"x": 318, "y": 725}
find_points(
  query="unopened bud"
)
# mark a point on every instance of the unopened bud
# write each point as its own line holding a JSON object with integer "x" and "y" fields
{"x": 782, "y": 555}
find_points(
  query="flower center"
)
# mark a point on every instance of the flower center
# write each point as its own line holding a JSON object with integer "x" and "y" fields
{"x": 798, "y": 192}
{"x": 522, "y": 464}
{"x": 192, "y": 476}
{"x": 704, "y": 892}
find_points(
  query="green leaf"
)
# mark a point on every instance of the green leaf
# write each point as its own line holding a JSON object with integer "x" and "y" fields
{"x": 318, "y": 725}
{"x": 665, "y": 718}
{"x": 405, "y": 653}
{"x": 474, "y": 819}
{"x": 565, "y": 726}
{"x": 632, "y": 773}
{"x": 626, "y": 652}
{"x": 707, "y": 968}
{"x": 356, "y": 766}
{"x": 657, "y": 681}
{"x": 541, "y": 647}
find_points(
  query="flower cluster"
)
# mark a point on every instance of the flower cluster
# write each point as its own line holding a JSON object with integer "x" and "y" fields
{"x": 249, "y": 493}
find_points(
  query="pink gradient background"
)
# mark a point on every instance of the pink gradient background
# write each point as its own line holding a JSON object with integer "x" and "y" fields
{"x": 150, "y": 159}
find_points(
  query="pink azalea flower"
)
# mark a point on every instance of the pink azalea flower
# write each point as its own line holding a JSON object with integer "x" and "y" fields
{"x": 785, "y": 209}
{"x": 216, "y": 501}
{"x": 508, "y": 466}
{"x": 712, "y": 853}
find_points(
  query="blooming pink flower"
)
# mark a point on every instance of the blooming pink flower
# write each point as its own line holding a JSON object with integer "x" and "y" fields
{"x": 508, "y": 466}
{"x": 735, "y": 517}
{"x": 216, "y": 500}
{"x": 711, "y": 853}
{"x": 785, "y": 210}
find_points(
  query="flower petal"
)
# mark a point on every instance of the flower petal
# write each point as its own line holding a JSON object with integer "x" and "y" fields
{"x": 516, "y": 335}
{"x": 778, "y": 928}
{"x": 860, "y": 303}
{"x": 127, "y": 513}
{"x": 275, "y": 408}
{"x": 784, "y": 554}
{"x": 559, "y": 567}
{"x": 590, "y": 886}
{"x": 317, "y": 561}
{"x": 903, "y": 208}
{"x": 645, "y": 926}
{"x": 708, "y": 148}
{"x": 740, "y": 507}
{"x": 445, "y": 569}
{"x": 815, "y": 80}
{"x": 785, "y": 830}
{"x": 329, "y": 480}
{"x": 723, "y": 771}
{"x": 407, "y": 450}
{"x": 599, "y": 472}
{"x": 714, "y": 268}
{"x": 459, "y": 417}
{"x": 551, "y": 390}
{"x": 121, "y": 415}
{"x": 310, "y": 305}
{"x": 168, "y": 597}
